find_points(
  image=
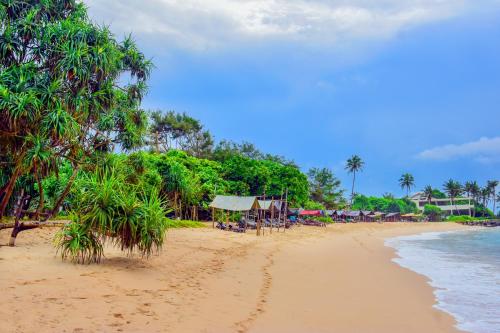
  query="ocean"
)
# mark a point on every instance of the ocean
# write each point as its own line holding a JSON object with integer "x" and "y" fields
{"x": 463, "y": 268}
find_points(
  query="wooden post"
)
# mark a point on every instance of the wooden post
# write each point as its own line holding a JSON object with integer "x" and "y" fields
{"x": 279, "y": 213}
{"x": 272, "y": 213}
{"x": 213, "y": 217}
{"x": 286, "y": 210}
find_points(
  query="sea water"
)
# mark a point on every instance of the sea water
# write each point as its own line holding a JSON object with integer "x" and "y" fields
{"x": 464, "y": 269}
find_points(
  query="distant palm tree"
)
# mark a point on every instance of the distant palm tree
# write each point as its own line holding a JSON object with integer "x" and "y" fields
{"x": 475, "y": 192}
{"x": 468, "y": 189}
{"x": 453, "y": 189}
{"x": 407, "y": 181}
{"x": 484, "y": 195}
{"x": 354, "y": 164}
{"x": 492, "y": 186}
{"x": 428, "y": 192}
{"x": 388, "y": 196}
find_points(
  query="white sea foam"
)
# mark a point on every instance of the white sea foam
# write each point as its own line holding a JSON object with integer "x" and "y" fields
{"x": 466, "y": 282}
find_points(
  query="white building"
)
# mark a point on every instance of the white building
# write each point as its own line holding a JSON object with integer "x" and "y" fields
{"x": 461, "y": 206}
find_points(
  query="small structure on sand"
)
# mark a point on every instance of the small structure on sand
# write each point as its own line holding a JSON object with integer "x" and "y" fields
{"x": 392, "y": 217}
{"x": 232, "y": 203}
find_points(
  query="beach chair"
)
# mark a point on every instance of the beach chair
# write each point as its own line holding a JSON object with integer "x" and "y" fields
{"x": 221, "y": 226}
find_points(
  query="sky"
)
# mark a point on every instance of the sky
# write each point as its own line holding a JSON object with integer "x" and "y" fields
{"x": 408, "y": 85}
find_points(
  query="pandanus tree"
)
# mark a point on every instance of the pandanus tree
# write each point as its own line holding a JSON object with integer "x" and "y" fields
{"x": 61, "y": 96}
{"x": 407, "y": 182}
{"x": 453, "y": 189}
{"x": 110, "y": 209}
{"x": 354, "y": 164}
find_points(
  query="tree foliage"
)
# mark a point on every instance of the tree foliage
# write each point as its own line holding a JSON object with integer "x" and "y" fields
{"x": 60, "y": 92}
{"x": 324, "y": 187}
{"x": 386, "y": 205}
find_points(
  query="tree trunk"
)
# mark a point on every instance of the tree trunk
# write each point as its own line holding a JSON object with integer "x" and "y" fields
{"x": 352, "y": 189}
{"x": 8, "y": 191}
{"x": 494, "y": 201}
{"x": 40, "y": 192}
{"x": 64, "y": 193}
{"x": 17, "y": 226}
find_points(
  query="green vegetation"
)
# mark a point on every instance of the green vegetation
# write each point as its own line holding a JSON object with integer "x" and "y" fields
{"x": 386, "y": 205}
{"x": 324, "y": 219}
{"x": 60, "y": 93}
{"x": 462, "y": 218}
{"x": 434, "y": 213}
{"x": 325, "y": 188}
{"x": 354, "y": 164}
{"x": 407, "y": 182}
{"x": 184, "y": 224}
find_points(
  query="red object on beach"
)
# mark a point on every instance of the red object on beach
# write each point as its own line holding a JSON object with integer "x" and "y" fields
{"x": 310, "y": 212}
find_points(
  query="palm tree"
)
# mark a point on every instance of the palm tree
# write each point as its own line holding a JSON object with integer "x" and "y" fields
{"x": 469, "y": 189}
{"x": 354, "y": 164}
{"x": 475, "y": 192}
{"x": 407, "y": 181}
{"x": 492, "y": 186}
{"x": 428, "y": 192}
{"x": 453, "y": 189}
{"x": 484, "y": 195}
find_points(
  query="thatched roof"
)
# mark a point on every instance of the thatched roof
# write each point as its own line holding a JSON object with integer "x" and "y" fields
{"x": 235, "y": 203}
{"x": 267, "y": 204}
{"x": 354, "y": 213}
{"x": 392, "y": 214}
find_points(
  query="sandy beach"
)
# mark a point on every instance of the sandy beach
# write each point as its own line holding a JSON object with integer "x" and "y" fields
{"x": 335, "y": 279}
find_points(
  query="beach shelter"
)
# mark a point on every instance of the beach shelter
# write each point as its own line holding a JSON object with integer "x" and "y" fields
{"x": 235, "y": 203}
{"x": 392, "y": 217}
{"x": 267, "y": 204}
{"x": 411, "y": 217}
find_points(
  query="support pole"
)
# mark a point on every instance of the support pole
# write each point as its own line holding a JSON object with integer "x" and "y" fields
{"x": 213, "y": 218}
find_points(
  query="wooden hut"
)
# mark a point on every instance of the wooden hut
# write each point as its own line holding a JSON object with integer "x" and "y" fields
{"x": 231, "y": 203}
{"x": 392, "y": 217}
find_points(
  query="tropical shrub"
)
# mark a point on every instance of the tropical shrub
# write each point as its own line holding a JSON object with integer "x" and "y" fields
{"x": 384, "y": 204}
{"x": 434, "y": 213}
{"x": 324, "y": 219}
{"x": 111, "y": 210}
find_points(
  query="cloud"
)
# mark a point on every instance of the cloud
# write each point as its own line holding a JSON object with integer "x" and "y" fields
{"x": 484, "y": 150}
{"x": 206, "y": 24}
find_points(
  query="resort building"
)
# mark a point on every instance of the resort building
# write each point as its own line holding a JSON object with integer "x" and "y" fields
{"x": 460, "y": 206}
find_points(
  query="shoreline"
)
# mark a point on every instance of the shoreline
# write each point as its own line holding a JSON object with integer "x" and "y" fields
{"x": 340, "y": 278}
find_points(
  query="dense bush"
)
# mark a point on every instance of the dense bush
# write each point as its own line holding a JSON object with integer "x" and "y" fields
{"x": 386, "y": 205}
{"x": 434, "y": 213}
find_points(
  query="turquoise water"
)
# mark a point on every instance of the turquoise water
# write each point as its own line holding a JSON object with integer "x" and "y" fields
{"x": 464, "y": 269}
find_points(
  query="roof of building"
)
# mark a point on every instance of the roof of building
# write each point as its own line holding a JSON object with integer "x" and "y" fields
{"x": 311, "y": 212}
{"x": 235, "y": 203}
{"x": 392, "y": 214}
{"x": 267, "y": 204}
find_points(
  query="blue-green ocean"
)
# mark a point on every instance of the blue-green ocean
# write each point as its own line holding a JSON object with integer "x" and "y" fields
{"x": 464, "y": 269}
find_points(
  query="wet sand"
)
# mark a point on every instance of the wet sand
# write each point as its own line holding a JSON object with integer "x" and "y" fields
{"x": 335, "y": 279}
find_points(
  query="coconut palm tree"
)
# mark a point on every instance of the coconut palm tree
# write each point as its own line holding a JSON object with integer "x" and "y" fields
{"x": 407, "y": 181}
{"x": 484, "y": 195}
{"x": 428, "y": 192}
{"x": 354, "y": 164}
{"x": 475, "y": 192}
{"x": 453, "y": 189}
{"x": 469, "y": 189}
{"x": 492, "y": 187}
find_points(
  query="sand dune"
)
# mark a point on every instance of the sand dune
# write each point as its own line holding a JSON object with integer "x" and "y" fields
{"x": 335, "y": 279}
